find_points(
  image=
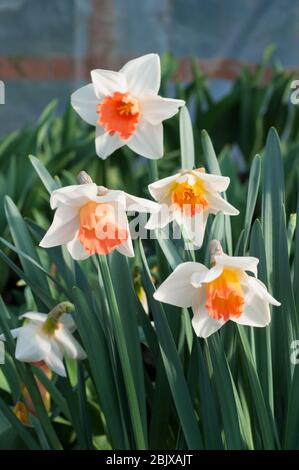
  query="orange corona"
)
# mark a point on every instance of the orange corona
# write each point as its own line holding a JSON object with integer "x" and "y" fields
{"x": 190, "y": 199}
{"x": 119, "y": 113}
{"x": 225, "y": 298}
{"x": 99, "y": 231}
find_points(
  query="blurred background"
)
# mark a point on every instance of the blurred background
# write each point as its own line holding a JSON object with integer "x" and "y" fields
{"x": 48, "y": 48}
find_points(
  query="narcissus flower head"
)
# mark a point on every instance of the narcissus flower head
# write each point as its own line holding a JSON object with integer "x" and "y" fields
{"x": 189, "y": 197}
{"x": 47, "y": 338}
{"x": 93, "y": 219}
{"x": 224, "y": 292}
{"x": 125, "y": 107}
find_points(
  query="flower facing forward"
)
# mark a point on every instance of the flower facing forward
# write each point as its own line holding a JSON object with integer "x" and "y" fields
{"x": 93, "y": 219}
{"x": 48, "y": 338}
{"x": 224, "y": 292}
{"x": 189, "y": 197}
{"x": 125, "y": 107}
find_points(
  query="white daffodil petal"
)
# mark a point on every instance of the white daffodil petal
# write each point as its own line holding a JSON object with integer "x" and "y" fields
{"x": 143, "y": 74}
{"x": 217, "y": 204}
{"x": 156, "y": 109}
{"x": 140, "y": 204}
{"x": 75, "y": 195}
{"x": 126, "y": 248}
{"x": 71, "y": 346}
{"x": 107, "y": 143}
{"x": 65, "y": 224}
{"x": 177, "y": 288}
{"x": 35, "y": 317}
{"x": 68, "y": 322}
{"x": 147, "y": 140}
{"x": 14, "y": 333}
{"x": 76, "y": 249}
{"x": 213, "y": 273}
{"x": 261, "y": 290}
{"x": 256, "y": 311}
{"x": 112, "y": 196}
{"x": 161, "y": 218}
{"x": 159, "y": 189}
{"x": 245, "y": 263}
{"x": 32, "y": 346}
{"x": 84, "y": 102}
{"x": 106, "y": 82}
{"x": 203, "y": 324}
{"x": 193, "y": 227}
{"x": 54, "y": 359}
{"x": 213, "y": 183}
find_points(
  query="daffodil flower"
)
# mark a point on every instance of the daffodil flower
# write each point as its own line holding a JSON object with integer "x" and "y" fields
{"x": 188, "y": 197}
{"x": 224, "y": 292}
{"x": 47, "y": 338}
{"x": 125, "y": 107}
{"x": 93, "y": 219}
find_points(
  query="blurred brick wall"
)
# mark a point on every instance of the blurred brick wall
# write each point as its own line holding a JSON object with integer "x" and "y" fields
{"x": 47, "y": 48}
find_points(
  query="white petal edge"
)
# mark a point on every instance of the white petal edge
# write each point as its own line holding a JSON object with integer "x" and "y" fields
{"x": 65, "y": 224}
{"x": 76, "y": 249}
{"x": 256, "y": 311}
{"x": 159, "y": 189}
{"x": 147, "y": 140}
{"x": 213, "y": 182}
{"x": 156, "y": 109}
{"x": 68, "y": 322}
{"x": 193, "y": 227}
{"x": 143, "y": 74}
{"x": 75, "y": 195}
{"x": 31, "y": 345}
{"x": 140, "y": 204}
{"x": 261, "y": 290}
{"x": 177, "y": 288}
{"x": 245, "y": 263}
{"x": 106, "y": 143}
{"x": 161, "y": 218}
{"x": 203, "y": 325}
{"x": 84, "y": 102}
{"x": 36, "y": 317}
{"x": 71, "y": 346}
{"x": 54, "y": 359}
{"x": 106, "y": 82}
{"x": 217, "y": 204}
{"x": 126, "y": 248}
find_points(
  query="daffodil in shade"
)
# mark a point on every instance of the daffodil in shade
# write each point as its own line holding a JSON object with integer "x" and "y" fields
{"x": 92, "y": 219}
{"x": 125, "y": 107}
{"x": 224, "y": 292}
{"x": 47, "y": 338}
{"x": 188, "y": 197}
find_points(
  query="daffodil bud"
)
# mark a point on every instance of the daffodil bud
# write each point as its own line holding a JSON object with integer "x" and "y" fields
{"x": 215, "y": 250}
{"x": 84, "y": 178}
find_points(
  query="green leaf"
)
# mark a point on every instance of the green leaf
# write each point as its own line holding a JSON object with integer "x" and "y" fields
{"x": 253, "y": 189}
{"x": 139, "y": 432}
{"x": 173, "y": 366}
{"x": 186, "y": 138}
{"x": 49, "y": 183}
